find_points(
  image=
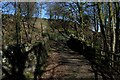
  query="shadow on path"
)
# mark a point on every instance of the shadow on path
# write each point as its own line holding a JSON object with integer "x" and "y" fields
{"x": 66, "y": 64}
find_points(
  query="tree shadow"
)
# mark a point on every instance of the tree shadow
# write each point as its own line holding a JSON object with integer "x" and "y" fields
{"x": 16, "y": 57}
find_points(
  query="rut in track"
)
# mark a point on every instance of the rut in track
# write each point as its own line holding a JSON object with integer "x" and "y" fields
{"x": 66, "y": 64}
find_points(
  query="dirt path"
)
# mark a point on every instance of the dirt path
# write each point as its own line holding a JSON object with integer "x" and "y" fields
{"x": 66, "y": 64}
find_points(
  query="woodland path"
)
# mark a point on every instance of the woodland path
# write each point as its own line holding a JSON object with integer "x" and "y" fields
{"x": 64, "y": 64}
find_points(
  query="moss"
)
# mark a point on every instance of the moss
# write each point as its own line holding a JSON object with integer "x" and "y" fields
{"x": 29, "y": 75}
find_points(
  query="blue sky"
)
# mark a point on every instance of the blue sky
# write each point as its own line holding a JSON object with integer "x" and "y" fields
{"x": 10, "y": 10}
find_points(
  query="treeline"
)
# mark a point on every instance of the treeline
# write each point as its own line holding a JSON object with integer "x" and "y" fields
{"x": 95, "y": 23}
{"x": 24, "y": 49}
{"x": 98, "y": 26}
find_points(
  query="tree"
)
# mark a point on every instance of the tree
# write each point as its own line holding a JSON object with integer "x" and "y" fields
{"x": 15, "y": 54}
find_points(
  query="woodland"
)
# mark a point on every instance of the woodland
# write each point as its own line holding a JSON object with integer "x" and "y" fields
{"x": 60, "y": 40}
